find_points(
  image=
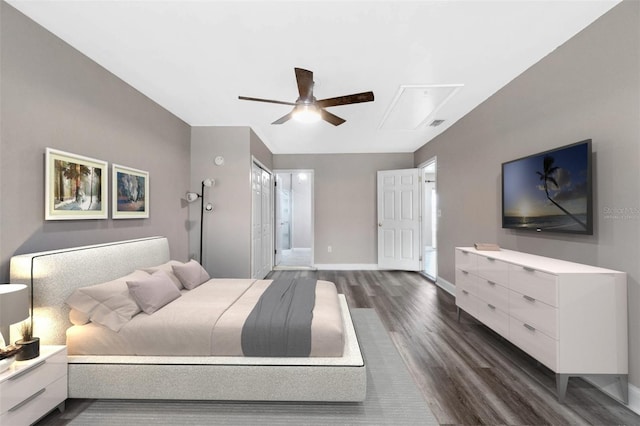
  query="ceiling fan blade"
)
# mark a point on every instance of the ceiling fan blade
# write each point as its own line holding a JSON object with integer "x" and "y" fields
{"x": 331, "y": 118}
{"x": 305, "y": 83}
{"x": 345, "y": 100}
{"x": 284, "y": 118}
{"x": 271, "y": 101}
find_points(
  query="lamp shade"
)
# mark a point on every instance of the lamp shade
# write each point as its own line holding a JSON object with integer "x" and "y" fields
{"x": 14, "y": 303}
{"x": 192, "y": 196}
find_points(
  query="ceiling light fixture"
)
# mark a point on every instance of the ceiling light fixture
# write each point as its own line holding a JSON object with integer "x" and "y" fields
{"x": 306, "y": 113}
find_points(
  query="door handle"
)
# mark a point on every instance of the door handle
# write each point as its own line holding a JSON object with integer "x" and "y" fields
{"x": 380, "y": 224}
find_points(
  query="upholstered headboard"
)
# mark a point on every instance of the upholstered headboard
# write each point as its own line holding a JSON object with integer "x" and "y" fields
{"x": 53, "y": 275}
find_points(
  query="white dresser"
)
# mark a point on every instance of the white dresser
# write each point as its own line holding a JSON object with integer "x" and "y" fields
{"x": 570, "y": 317}
{"x": 30, "y": 389}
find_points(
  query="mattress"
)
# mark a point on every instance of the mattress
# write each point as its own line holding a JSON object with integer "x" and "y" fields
{"x": 206, "y": 321}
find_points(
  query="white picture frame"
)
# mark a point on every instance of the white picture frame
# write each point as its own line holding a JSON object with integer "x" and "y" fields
{"x": 129, "y": 192}
{"x": 75, "y": 187}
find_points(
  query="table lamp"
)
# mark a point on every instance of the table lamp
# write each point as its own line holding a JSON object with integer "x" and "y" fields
{"x": 14, "y": 306}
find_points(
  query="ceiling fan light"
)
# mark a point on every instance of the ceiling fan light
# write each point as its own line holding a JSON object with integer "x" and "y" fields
{"x": 306, "y": 113}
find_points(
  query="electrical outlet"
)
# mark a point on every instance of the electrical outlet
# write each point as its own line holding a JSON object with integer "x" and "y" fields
{"x": 329, "y": 249}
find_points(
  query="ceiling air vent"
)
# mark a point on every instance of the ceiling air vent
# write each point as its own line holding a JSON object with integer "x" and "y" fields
{"x": 436, "y": 123}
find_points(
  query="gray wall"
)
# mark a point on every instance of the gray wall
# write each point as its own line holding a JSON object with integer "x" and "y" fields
{"x": 259, "y": 150}
{"x": 587, "y": 88}
{"x": 53, "y": 96}
{"x": 345, "y": 202}
{"x": 227, "y": 230}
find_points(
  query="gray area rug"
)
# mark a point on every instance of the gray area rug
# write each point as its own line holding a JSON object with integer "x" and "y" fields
{"x": 392, "y": 398}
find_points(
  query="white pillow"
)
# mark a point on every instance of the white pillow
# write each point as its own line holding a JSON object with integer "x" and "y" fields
{"x": 167, "y": 267}
{"x": 108, "y": 304}
{"x": 153, "y": 292}
{"x": 115, "y": 312}
{"x": 78, "y": 318}
{"x": 191, "y": 274}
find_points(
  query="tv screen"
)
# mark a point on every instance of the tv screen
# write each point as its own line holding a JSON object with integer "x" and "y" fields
{"x": 549, "y": 191}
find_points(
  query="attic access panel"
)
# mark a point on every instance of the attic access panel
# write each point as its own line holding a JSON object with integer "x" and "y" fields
{"x": 414, "y": 105}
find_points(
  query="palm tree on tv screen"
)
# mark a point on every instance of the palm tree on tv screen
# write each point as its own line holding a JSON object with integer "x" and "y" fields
{"x": 546, "y": 176}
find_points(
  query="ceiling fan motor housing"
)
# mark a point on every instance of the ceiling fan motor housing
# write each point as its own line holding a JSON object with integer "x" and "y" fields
{"x": 307, "y": 107}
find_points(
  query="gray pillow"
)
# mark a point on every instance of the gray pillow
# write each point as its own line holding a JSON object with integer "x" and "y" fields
{"x": 167, "y": 267}
{"x": 153, "y": 292}
{"x": 191, "y": 274}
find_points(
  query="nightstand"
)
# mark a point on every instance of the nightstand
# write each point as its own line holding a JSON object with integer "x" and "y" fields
{"x": 32, "y": 388}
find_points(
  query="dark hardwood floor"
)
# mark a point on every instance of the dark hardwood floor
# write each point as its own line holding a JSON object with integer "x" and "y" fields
{"x": 468, "y": 374}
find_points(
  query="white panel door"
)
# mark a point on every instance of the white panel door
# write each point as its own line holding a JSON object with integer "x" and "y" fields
{"x": 256, "y": 222}
{"x": 261, "y": 222}
{"x": 399, "y": 219}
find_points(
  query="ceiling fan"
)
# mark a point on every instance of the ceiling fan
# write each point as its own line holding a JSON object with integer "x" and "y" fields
{"x": 307, "y": 107}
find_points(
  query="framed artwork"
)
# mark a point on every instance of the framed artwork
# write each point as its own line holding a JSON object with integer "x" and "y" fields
{"x": 130, "y": 193}
{"x": 75, "y": 187}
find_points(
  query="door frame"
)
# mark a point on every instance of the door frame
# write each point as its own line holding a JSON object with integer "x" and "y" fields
{"x": 255, "y": 161}
{"x": 422, "y": 166}
{"x": 312, "y": 184}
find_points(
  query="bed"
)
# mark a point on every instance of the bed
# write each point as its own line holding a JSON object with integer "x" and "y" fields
{"x": 55, "y": 275}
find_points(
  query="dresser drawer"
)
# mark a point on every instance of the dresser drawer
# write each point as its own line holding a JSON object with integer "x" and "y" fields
{"x": 39, "y": 403}
{"x": 534, "y": 312}
{"x": 495, "y": 318}
{"x": 534, "y": 342}
{"x": 493, "y": 270}
{"x": 24, "y": 383}
{"x": 537, "y": 284}
{"x": 466, "y": 301}
{"x": 466, "y": 261}
{"x": 493, "y": 293}
{"x": 466, "y": 280}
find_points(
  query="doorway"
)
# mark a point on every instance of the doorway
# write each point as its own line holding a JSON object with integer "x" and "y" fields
{"x": 261, "y": 220}
{"x": 429, "y": 219}
{"x": 293, "y": 219}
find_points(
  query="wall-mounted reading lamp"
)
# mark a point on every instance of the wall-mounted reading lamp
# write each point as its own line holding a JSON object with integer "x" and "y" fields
{"x": 193, "y": 196}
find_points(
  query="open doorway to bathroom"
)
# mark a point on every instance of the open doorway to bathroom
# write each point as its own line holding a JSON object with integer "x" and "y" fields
{"x": 429, "y": 219}
{"x": 293, "y": 219}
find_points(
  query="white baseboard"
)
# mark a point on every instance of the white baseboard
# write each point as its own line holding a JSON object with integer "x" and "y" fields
{"x": 346, "y": 266}
{"x": 610, "y": 386}
{"x": 634, "y": 398}
{"x": 446, "y": 285}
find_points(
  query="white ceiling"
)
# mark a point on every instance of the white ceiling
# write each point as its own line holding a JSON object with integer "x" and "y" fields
{"x": 195, "y": 57}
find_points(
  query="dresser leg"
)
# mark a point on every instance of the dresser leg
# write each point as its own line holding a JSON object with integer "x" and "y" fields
{"x": 62, "y": 406}
{"x": 562, "y": 380}
{"x": 458, "y": 312}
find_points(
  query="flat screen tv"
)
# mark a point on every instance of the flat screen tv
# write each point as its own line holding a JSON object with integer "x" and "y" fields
{"x": 549, "y": 191}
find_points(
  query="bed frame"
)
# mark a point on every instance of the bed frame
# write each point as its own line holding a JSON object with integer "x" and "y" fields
{"x": 54, "y": 275}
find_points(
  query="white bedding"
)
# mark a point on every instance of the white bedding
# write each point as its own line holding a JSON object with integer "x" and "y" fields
{"x": 206, "y": 321}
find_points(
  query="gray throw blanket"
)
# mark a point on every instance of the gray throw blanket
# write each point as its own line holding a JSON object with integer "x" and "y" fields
{"x": 280, "y": 323}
